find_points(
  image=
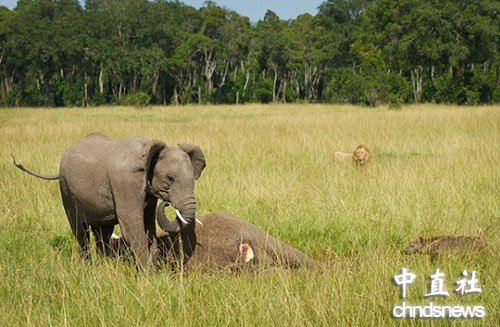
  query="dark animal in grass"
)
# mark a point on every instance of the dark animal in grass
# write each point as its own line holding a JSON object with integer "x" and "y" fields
{"x": 435, "y": 245}
{"x": 104, "y": 182}
{"x": 224, "y": 241}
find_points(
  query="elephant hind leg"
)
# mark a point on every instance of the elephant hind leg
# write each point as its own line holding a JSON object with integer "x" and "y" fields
{"x": 102, "y": 236}
{"x": 81, "y": 232}
{"x": 76, "y": 220}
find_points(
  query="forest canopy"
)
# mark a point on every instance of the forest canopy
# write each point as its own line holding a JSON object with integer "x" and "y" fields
{"x": 58, "y": 53}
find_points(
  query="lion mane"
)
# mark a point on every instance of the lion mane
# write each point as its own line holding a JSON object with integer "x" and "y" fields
{"x": 360, "y": 156}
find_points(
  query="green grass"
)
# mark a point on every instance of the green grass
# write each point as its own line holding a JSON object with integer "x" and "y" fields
{"x": 434, "y": 171}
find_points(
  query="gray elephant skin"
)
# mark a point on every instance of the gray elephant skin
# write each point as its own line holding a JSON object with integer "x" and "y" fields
{"x": 223, "y": 241}
{"x": 104, "y": 182}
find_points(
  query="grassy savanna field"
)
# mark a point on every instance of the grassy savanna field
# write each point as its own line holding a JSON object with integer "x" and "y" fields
{"x": 434, "y": 171}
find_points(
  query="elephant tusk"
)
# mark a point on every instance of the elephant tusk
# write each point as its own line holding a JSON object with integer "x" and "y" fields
{"x": 199, "y": 221}
{"x": 178, "y": 213}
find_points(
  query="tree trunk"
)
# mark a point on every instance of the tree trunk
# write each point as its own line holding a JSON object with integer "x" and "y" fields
{"x": 315, "y": 82}
{"x": 176, "y": 97}
{"x": 486, "y": 67}
{"x": 274, "y": 82}
{"x": 4, "y": 96}
{"x": 111, "y": 88}
{"x": 209, "y": 70}
{"x": 134, "y": 83}
{"x": 224, "y": 74}
{"x": 237, "y": 97}
{"x": 294, "y": 83}
{"x": 85, "y": 99}
{"x": 279, "y": 91}
{"x": 120, "y": 90}
{"x": 156, "y": 77}
{"x": 284, "y": 91}
{"x": 235, "y": 72}
{"x": 307, "y": 89}
{"x": 47, "y": 77}
{"x": 8, "y": 83}
{"x": 246, "y": 81}
{"x": 101, "y": 80}
{"x": 416, "y": 81}
{"x": 164, "y": 95}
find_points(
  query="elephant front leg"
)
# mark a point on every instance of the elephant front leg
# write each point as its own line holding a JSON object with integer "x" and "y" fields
{"x": 150, "y": 227}
{"x": 132, "y": 207}
{"x": 139, "y": 244}
{"x": 130, "y": 214}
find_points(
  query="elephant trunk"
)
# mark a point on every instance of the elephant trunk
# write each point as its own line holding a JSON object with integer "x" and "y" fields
{"x": 187, "y": 209}
{"x": 186, "y": 214}
{"x": 165, "y": 224}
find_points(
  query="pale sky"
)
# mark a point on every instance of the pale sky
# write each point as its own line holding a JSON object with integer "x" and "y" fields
{"x": 255, "y": 9}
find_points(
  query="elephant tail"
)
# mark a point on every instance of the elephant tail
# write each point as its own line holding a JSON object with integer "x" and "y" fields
{"x": 20, "y": 166}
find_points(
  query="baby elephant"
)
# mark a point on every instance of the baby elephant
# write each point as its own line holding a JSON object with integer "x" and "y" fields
{"x": 224, "y": 241}
{"x": 360, "y": 156}
{"x": 168, "y": 244}
{"x": 434, "y": 245}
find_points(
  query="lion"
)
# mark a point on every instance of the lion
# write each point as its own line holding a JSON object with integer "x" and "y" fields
{"x": 360, "y": 156}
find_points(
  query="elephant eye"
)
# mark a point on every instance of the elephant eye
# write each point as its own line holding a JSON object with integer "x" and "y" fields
{"x": 170, "y": 179}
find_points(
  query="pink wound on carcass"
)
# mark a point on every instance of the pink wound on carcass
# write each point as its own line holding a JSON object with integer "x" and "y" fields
{"x": 246, "y": 252}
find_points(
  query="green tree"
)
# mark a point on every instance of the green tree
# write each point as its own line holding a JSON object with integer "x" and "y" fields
{"x": 48, "y": 38}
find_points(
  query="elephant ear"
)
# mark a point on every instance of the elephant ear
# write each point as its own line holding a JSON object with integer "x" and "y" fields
{"x": 134, "y": 155}
{"x": 151, "y": 152}
{"x": 197, "y": 158}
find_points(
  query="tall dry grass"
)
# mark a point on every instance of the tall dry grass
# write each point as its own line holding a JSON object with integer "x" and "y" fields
{"x": 434, "y": 171}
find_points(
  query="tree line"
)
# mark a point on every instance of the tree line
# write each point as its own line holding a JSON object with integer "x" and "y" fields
{"x": 58, "y": 53}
